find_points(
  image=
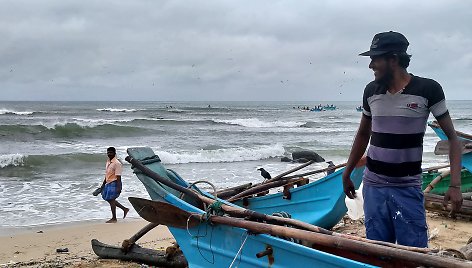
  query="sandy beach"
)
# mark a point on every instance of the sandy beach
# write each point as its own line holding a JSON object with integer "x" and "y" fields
{"x": 36, "y": 247}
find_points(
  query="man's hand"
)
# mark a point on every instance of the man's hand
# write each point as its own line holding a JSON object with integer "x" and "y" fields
{"x": 453, "y": 195}
{"x": 348, "y": 187}
{"x": 118, "y": 187}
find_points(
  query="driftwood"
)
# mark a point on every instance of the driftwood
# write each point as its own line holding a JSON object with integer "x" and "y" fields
{"x": 128, "y": 243}
{"x": 140, "y": 255}
{"x": 434, "y": 202}
{"x": 467, "y": 250}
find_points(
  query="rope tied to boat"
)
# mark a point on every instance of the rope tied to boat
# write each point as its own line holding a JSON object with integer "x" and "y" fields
{"x": 284, "y": 214}
{"x": 214, "y": 209}
{"x": 240, "y": 249}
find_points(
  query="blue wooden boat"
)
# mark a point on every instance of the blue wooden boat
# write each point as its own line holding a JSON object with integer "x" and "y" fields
{"x": 317, "y": 109}
{"x": 206, "y": 245}
{"x": 319, "y": 203}
{"x": 466, "y": 158}
{"x": 330, "y": 107}
{"x": 226, "y": 244}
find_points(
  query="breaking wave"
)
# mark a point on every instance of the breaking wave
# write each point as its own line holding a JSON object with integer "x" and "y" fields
{"x": 68, "y": 130}
{"x": 256, "y": 123}
{"x": 222, "y": 155}
{"x": 6, "y": 111}
{"x": 121, "y": 110}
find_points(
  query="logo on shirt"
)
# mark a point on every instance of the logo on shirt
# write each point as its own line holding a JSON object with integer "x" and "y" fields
{"x": 413, "y": 105}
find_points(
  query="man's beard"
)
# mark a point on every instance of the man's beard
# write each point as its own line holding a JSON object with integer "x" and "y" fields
{"x": 387, "y": 78}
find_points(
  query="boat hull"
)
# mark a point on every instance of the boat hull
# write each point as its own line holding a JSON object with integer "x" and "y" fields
{"x": 442, "y": 186}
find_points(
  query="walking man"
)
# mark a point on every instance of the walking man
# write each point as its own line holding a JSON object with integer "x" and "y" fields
{"x": 396, "y": 106}
{"x": 111, "y": 187}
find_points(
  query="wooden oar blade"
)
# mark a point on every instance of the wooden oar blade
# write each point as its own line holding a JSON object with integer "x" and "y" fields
{"x": 162, "y": 213}
{"x": 442, "y": 147}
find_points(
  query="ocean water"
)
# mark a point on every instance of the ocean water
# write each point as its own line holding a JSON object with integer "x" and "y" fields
{"x": 53, "y": 154}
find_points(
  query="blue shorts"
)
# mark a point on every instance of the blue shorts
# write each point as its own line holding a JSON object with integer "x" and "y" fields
{"x": 110, "y": 191}
{"x": 395, "y": 214}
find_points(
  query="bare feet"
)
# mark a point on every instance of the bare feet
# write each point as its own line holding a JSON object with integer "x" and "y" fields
{"x": 111, "y": 221}
{"x": 126, "y": 210}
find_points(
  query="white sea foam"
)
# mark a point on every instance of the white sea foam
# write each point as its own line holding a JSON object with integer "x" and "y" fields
{"x": 11, "y": 160}
{"x": 89, "y": 122}
{"x": 257, "y": 123}
{"x": 222, "y": 155}
{"x": 84, "y": 122}
{"x": 6, "y": 111}
{"x": 116, "y": 110}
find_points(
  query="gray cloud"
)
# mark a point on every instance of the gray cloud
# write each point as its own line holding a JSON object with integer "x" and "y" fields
{"x": 221, "y": 50}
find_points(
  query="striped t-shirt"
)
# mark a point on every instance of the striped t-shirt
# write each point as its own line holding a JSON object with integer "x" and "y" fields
{"x": 398, "y": 126}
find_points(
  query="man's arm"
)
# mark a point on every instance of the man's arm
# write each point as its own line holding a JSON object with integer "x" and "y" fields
{"x": 453, "y": 194}
{"x": 358, "y": 148}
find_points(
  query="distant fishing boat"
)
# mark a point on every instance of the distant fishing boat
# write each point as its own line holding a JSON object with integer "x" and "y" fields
{"x": 317, "y": 109}
{"x": 330, "y": 107}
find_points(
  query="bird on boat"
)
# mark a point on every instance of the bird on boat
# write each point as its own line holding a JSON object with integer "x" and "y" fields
{"x": 265, "y": 174}
{"x": 331, "y": 167}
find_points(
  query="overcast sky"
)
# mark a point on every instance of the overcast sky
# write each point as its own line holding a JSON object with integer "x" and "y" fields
{"x": 222, "y": 50}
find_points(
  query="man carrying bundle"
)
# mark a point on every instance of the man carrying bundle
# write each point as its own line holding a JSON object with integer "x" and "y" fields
{"x": 396, "y": 106}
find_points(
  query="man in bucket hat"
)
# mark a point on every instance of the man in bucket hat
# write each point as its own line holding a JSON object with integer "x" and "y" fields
{"x": 396, "y": 106}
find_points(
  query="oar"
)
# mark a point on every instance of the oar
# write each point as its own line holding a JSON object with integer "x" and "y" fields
{"x": 147, "y": 209}
{"x": 315, "y": 171}
{"x": 261, "y": 190}
{"x": 262, "y": 187}
{"x": 442, "y": 147}
{"x": 428, "y": 169}
{"x": 281, "y": 176}
{"x": 246, "y": 213}
{"x": 268, "y": 184}
{"x": 161, "y": 212}
{"x": 291, "y": 171}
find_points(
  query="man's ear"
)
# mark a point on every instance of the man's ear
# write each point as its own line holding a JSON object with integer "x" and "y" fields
{"x": 394, "y": 61}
